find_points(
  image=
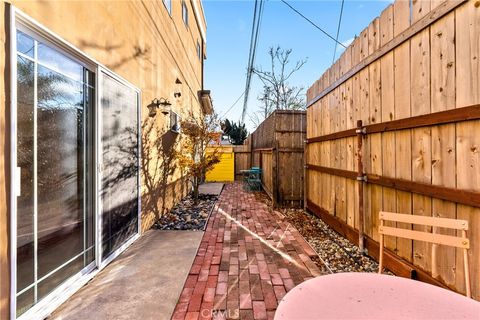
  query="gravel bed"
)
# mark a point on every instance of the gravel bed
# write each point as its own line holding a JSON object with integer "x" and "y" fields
{"x": 336, "y": 253}
{"x": 187, "y": 215}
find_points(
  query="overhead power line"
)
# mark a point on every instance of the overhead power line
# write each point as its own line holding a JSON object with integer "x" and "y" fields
{"x": 233, "y": 105}
{"x": 338, "y": 31}
{"x": 313, "y": 24}
{"x": 256, "y": 24}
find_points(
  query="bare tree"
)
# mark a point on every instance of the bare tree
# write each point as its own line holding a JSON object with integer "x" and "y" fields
{"x": 278, "y": 93}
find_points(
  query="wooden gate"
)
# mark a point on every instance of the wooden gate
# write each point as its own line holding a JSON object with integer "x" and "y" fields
{"x": 277, "y": 147}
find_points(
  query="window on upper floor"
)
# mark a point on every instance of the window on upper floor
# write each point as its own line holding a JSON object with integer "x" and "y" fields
{"x": 185, "y": 13}
{"x": 168, "y": 5}
{"x": 199, "y": 51}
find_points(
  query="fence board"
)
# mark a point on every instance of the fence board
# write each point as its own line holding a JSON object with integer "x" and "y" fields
{"x": 388, "y": 114}
{"x": 242, "y": 159}
{"x": 442, "y": 41}
{"x": 403, "y": 140}
{"x": 421, "y": 137}
{"x": 467, "y": 47}
{"x": 350, "y": 154}
{"x": 267, "y": 172}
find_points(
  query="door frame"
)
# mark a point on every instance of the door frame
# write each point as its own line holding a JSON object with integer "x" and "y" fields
{"x": 18, "y": 19}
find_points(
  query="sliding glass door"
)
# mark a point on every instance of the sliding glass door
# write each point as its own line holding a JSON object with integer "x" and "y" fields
{"x": 55, "y": 213}
{"x": 77, "y": 169}
{"x": 120, "y": 167}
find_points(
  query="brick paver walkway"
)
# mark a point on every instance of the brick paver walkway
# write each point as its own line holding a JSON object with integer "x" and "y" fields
{"x": 248, "y": 259}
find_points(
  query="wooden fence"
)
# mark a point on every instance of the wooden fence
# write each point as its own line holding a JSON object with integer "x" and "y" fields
{"x": 394, "y": 125}
{"x": 242, "y": 159}
{"x": 277, "y": 146}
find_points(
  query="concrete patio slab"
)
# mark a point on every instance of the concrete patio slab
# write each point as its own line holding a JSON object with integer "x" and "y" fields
{"x": 211, "y": 188}
{"x": 144, "y": 282}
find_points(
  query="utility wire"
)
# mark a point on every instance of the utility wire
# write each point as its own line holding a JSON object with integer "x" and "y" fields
{"x": 253, "y": 47}
{"x": 256, "y": 24}
{"x": 233, "y": 105}
{"x": 338, "y": 31}
{"x": 313, "y": 24}
{"x": 252, "y": 36}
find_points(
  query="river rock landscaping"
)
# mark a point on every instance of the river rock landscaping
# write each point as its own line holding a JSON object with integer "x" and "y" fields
{"x": 188, "y": 215}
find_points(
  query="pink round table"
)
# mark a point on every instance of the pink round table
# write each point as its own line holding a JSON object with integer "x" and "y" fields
{"x": 373, "y": 296}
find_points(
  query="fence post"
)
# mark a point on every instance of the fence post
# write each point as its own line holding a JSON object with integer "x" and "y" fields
{"x": 360, "y": 178}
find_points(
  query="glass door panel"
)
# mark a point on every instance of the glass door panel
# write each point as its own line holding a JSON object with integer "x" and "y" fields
{"x": 55, "y": 215}
{"x": 120, "y": 170}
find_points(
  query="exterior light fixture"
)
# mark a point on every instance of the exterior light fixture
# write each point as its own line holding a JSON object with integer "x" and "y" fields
{"x": 178, "y": 85}
{"x": 156, "y": 103}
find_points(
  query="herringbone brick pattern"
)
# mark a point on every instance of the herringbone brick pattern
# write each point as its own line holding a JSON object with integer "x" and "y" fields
{"x": 248, "y": 259}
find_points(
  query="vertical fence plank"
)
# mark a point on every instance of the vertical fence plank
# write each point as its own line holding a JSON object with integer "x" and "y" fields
{"x": 467, "y": 22}
{"x": 356, "y": 93}
{"x": 334, "y": 127}
{"x": 375, "y": 164}
{"x": 315, "y": 153}
{"x": 373, "y": 144}
{"x": 363, "y": 44}
{"x": 374, "y": 36}
{"x": 442, "y": 63}
{"x": 468, "y": 178}
{"x": 467, "y": 29}
{"x": 421, "y": 137}
{"x": 419, "y": 9}
{"x": 401, "y": 16}
{"x": 403, "y": 168}
{"x": 342, "y": 145}
{"x": 350, "y": 154}
{"x": 388, "y": 114}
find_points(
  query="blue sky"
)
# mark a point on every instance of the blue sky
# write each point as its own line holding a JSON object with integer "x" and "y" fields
{"x": 228, "y": 39}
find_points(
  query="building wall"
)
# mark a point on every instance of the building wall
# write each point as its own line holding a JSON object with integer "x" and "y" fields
{"x": 139, "y": 41}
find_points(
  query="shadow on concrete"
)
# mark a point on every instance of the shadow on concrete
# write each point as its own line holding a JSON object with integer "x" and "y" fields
{"x": 145, "y": 282}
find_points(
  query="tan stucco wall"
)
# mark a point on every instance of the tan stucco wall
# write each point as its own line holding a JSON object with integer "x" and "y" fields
{"x": 138, "y": 40}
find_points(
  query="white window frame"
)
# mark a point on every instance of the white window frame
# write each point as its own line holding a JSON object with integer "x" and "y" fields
{"x": 185, "y": 13}
{"x": 168, "y": 6}
{"x": 178, "y": 120}
{"x": 23, "y": 22}
{"x": 199, "y": 51}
